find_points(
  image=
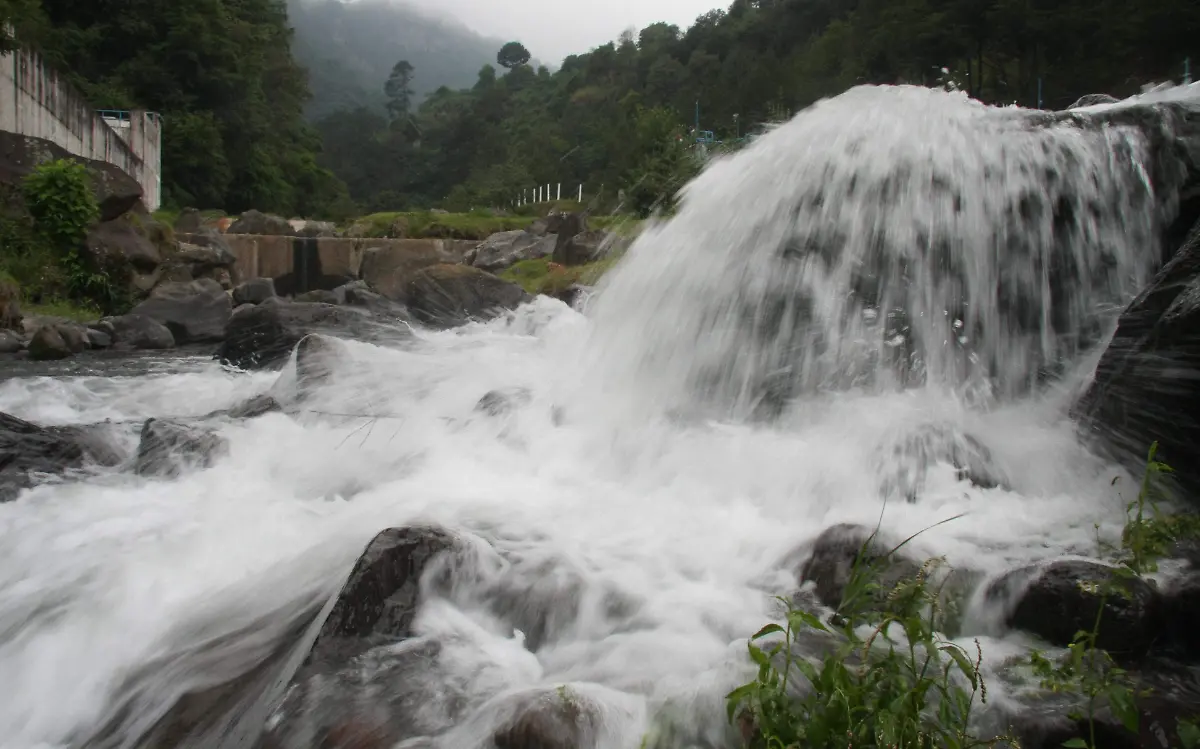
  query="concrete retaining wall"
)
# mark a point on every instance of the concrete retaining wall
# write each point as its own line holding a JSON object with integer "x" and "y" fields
{"x": 299, "y": 264}
{"x": 36, "y": 102}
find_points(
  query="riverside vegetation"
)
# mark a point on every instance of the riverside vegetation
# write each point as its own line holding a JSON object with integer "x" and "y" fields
{"x": 891, "y": 679}
{"x": 42, "y": 243}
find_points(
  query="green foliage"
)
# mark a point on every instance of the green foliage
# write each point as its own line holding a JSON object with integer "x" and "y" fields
{"x": 1150, "y": 532}
{"x": 890, "y": 680}
{"x": 64, "y": 309}
{"x": 513, "y": 55}
{"x": 759, "y": 60}
{"x": 1087, "y": 670}
{"x": 59, "y": 198}
{"x": 399, "y": 90}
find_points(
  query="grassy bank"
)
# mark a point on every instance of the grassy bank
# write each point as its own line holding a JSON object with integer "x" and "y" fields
{"x": 544, "y": 277}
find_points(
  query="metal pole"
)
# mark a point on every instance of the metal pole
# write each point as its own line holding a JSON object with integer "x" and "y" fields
{"x": 559, "y": 191}
{"x": 580, "y": 192}
{"x": 1039, "y": 92}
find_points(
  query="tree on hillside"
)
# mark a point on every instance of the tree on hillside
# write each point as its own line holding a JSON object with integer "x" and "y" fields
{"x": 399, "y": 90}
{"x": 513, "y": 55}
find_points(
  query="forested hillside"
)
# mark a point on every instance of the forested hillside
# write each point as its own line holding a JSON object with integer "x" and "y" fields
{"x": 223, "y": 74}
{"x": 609, "y": 118}
{"x": 349, "y": 50}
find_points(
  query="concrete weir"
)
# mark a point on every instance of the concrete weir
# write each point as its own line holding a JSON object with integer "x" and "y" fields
{"x": 300, "y": 264}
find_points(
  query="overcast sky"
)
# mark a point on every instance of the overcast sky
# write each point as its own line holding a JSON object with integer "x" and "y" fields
{"x": 553, "y": 29}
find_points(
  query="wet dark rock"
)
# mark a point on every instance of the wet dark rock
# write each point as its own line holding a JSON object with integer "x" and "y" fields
{"x": 98, "y": 442}
{"x": 263, "y": 336}
{"x": 449, "y": 295}
{"x": 904, "y": 465}
{"x": 254, "y": 291}
{"x": 256, "y": 222}
{"x": 1058, "y": 600}
{"x": 500, "y": 402}
{"x": 1144, "y": 386}
{"x": 194, "y": 312}
{"x": 833, "y": 558}
{"x": 1181, "y": 612}
{"x": 9, "y": 342}
{"x": 98, "y": 339}
{"x": 139, "y": 332}
{"x": 168, "y": 449}
{"x": 566, "y": 225}
{"x": 559, "y": 718}
{"x": 121, "y": 239}
{"x": 202, "y": 258}
{"x": 48, "y": 344}
{"x": 259, "y": 405}
{"x": 26, "y": 448}
{"x": 574, "y": 294}
{"x": 75, "y": 336}
{"x": 318, "y": 296}
{"x": 378, "y": 603}
{"x": 316, "y": 358}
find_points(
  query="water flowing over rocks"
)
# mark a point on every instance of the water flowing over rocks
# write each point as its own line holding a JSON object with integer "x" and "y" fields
{"x": 263, "y": 336}
{"x": 1057, "y": 601}
{"x": 448, "y": 295}
{"x": 873, "y": 316}
{"x": 29, "y": 449}
{"x": 168, "y": 449}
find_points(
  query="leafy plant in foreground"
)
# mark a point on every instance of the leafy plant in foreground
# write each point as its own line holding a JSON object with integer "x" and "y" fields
{"x": 892, "y": 683}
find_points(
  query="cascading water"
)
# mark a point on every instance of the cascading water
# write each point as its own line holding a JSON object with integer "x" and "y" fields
{"x": 887, "y": 237}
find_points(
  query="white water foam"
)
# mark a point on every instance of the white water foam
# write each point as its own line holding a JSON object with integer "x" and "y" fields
{"x": 611, "y": 477}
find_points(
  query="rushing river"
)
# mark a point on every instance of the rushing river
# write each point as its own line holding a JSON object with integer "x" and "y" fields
{"x": 889, "y": 259}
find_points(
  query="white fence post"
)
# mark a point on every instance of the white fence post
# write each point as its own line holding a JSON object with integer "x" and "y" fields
{"x": 559, "y": 191}
{"x": 580, "y": 192}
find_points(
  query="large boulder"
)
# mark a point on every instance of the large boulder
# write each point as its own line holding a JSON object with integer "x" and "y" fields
{"x": 555, "y": 718}
{"x": 256, "y": 222}
{"x": 169, "y": 448}
{"x": 194, "y": 312}
{"x": 122, "y": 239}
{"x": 834, "y": 556}
{"x": 1144, "y": 389}
{"x": 263, "y": 336}
{"x": 505, "y": 249}
{"x": 26, "y": 448}
{"x": 254, "y": 291}
{"x": 1058, "y": 600}
{"x": 116, "y": 192}
{"x": 451, "y": 295}
{"x": 9, "y": 342}
{"x": 1091, "y": 100}
{"x": 389, "y": 269}
{"x": 351, "y": 692}
{"x": 48, "y": 344}
{"x": 134, "y": 331}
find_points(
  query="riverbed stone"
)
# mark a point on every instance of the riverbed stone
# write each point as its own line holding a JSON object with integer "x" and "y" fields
{"x": 1057, "y": 600}
{"x": 10, "y": 343}
{"x": 48, "y": 344}
{"x": 194, "y": 312}
{"x": 448, "y": 295}
{"x": 138, "y": 332}
{"x": 168, "y": 449}
{"x": 254, "y": 291}
{"x": 263, "y": 336}
{"x": 27, "y": 448}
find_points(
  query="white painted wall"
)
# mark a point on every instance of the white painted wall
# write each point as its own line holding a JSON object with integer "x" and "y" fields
{"x": 36, "y": 102}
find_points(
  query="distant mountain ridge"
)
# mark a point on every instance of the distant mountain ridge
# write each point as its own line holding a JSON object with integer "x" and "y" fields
{"x": 349, "y": 49}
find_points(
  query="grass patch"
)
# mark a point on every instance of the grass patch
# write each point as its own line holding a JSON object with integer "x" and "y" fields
{"x": 545, "y": 277}
{"x": 64, "y": 309}
{"x": 429, "y": 225}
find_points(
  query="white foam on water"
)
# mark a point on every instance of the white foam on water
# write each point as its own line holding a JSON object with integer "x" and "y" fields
{"x": 634, "y": 468}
